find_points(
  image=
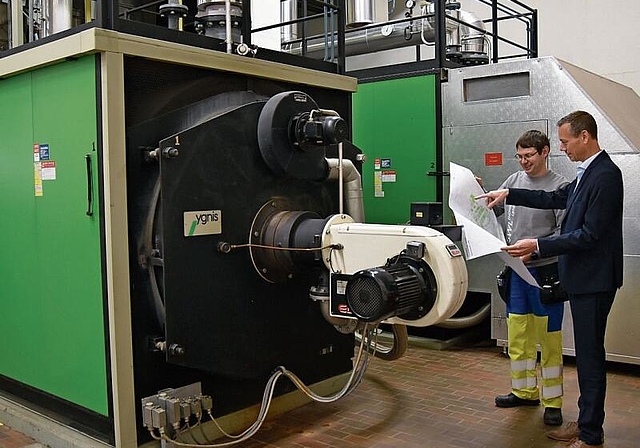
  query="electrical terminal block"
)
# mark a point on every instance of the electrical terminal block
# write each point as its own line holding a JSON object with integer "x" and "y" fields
{"x": 207, "y": 402}
{"x": 147, "y": 414}
{"x": 172, "y": 406}
{"x": 185, "y": 411}
{"x": 159, "y": 417}
{"x": 196, "y": 406}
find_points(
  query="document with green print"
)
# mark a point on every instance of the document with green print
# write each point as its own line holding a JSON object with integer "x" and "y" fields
{"x": 482, "y": 234}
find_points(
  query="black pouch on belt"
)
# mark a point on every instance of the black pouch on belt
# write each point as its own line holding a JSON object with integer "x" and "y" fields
{"x": 551, "y": 291}
{"x": 504, "y": 283}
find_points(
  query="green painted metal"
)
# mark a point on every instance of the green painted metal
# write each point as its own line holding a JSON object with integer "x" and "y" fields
{"x": 394, "y": 121}
{"x": 52, "y": 334}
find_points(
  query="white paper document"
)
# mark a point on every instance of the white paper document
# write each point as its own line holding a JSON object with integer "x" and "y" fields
{"x": 482, "y": 234}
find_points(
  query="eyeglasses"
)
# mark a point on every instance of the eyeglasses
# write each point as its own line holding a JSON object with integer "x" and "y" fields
{"x": 528, "y": 156}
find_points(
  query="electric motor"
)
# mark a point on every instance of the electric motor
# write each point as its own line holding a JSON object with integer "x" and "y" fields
{"x": 379, "y": 293}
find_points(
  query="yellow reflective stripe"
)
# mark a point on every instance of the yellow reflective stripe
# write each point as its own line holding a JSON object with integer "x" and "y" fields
{"x": 522, "y": 383}
{"x": 525, "y": 364}
{"x": 551, "y": 392}
{"x": 552, "y": 372}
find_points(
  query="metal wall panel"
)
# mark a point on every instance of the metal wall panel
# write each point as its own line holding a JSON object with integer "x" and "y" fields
{"x": 394, "y": 122}
{"x": 473, "y": 128}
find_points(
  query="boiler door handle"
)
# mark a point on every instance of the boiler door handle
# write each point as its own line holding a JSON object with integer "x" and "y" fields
{"x": 87, "y": 158}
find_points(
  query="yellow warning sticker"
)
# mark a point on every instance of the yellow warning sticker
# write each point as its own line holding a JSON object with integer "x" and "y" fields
{"x": 37, "y": 178}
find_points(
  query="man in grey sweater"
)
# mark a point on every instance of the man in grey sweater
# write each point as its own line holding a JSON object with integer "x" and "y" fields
{"x": 529, "y": 320}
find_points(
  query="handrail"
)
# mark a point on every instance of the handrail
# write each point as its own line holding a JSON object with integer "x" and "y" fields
{"x": 489, "y": 33}
{"x": 330, "y": 8}
{"x": 110, "y": 15}
{"x": 501, "y": 12}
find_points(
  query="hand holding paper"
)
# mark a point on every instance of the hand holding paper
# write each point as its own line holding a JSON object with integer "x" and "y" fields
{"x": 496, "y": 197}
{"x": 522, "y": 248}
{"x": 482, "y": 233}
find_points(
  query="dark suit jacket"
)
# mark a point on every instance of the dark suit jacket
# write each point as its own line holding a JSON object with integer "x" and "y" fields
{"x": 590, "y": 242}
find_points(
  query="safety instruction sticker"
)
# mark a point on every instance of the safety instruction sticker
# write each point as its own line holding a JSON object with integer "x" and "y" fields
{"x": 379, "y": 163}
{"x": 37, "y": 176}
{"x": 43, "y": 167}
{"x": 388, "y": 175}
{"x": 44, "y": 151}
{"x": 378, "y": 192}
{"x": 338, "y": 296}
{"x": 48, "y": 169}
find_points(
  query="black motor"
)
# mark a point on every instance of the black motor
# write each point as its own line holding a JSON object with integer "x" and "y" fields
{"x": 404, "y": 285}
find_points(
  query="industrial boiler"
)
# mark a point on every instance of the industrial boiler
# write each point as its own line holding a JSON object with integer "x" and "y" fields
{"x": 192, "y": 230}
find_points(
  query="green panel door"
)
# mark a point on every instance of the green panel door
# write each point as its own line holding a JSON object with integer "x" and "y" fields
{"x": 394, "y": 123}
{"x": 52, "y": 333}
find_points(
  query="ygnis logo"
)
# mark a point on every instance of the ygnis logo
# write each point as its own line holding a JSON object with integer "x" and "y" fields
{"x": 205, "y": 218}
{"x": 205, "y": 222}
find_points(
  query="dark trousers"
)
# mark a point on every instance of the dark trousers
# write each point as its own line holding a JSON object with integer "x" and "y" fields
{"x": 589, "y": 312}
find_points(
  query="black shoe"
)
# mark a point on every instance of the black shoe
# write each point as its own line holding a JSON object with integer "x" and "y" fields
{"x": 552, "y": 416}
{"x": 511, "y": 401}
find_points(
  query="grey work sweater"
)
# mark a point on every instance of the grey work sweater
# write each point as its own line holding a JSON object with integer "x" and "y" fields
{"x": 523, "y": 222}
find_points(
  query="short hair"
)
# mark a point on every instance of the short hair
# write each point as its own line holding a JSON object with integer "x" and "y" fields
{"x": 533, "y": 139}
{"x": 580, "y": 121}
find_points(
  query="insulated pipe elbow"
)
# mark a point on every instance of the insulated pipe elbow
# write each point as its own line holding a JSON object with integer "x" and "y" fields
{"x": 472, "y": 40}
{"x": 471, "y": 19}
{"x": 352, "y": 181}
{"x": 466, "y": 321}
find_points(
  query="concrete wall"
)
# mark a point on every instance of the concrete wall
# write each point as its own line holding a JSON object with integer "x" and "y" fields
{"x": 602, "y": 36}
{"x": 264, "y": 13}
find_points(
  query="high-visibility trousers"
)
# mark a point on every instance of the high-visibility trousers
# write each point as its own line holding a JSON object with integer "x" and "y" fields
{"x": 531, "y": 323}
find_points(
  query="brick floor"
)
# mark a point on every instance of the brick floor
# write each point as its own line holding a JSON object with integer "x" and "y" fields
{"x": 445, "y": 399}
{"x": 439, "y": 399}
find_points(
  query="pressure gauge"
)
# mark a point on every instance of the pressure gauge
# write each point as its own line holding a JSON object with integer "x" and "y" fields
{"x": 410, "y": 4}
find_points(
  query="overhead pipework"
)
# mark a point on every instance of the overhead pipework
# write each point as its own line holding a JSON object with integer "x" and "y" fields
{"x": 221, "y": 19}
{"x": 359, "y": 13}
{"x": 409, "y": 26}
{"x": 47, "y": 17}
{"x": 288, "y": 12}
{"x": 174, "y": 11}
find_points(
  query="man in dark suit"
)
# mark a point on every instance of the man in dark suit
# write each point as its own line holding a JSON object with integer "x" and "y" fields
{"x": 589, "y": 247}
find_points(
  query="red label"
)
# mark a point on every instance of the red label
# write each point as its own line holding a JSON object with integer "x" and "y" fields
{"x": 344, "y": 309}
{"x": 493, "y": 158}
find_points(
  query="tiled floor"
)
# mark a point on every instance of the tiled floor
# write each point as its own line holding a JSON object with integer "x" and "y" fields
{"x": 440, "y": 399}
